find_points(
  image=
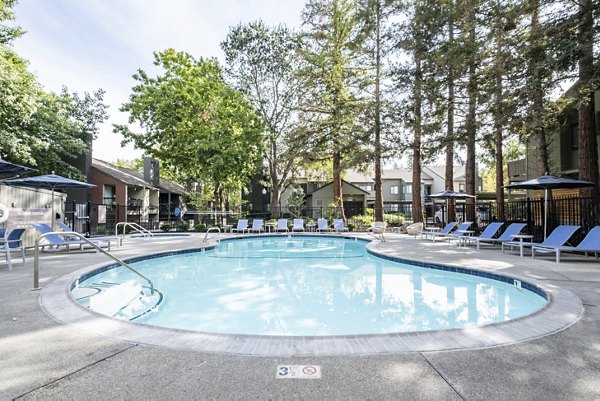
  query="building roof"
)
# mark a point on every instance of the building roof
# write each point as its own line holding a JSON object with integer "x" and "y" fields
{"x": 343, "y": 182}
{"x": 131, "y": 177}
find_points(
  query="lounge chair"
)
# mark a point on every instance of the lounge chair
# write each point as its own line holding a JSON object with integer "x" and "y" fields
{"x": 508, "y": 234}
{"x": 377, "y": 230}
{"x": 487, "y": 234}
{"x": 590, "y": 244}
{"x": 298, "y": 225}
{"x": 338, "y": 225}
{"x": 242, "y": 226}
{"x": 462, "y": 230}
{"x": 282, "y": 225}
{"x": 414, "y": 229}
{"x": 64, "y": 227}
{"x": 257, "y": 226}
{"x": 323, "y": 225}
{"x": 558, "y": 237}
{"x": 441, "y": 233}
{"x": 12, "y": 242}
{"x": 57, "y": 239}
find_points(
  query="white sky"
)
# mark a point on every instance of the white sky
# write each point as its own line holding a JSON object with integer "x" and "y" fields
{"x": 91, "y": 44}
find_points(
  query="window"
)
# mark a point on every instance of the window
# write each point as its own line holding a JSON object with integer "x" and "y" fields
{"x": 407, "y": 189}
{"x": 394, "y": 189}
{"x": 393, "y": 207}
{"x": 366, "y": 187}
{"x": 461, "y": 187}
{"x": 109, "y": 194}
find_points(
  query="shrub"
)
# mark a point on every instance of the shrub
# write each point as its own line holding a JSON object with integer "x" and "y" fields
{"x": 183, "y": 227}
{"x": 166, "y": 227}
{"x": 101, "y": 231}
{"x": 200, "y": 228}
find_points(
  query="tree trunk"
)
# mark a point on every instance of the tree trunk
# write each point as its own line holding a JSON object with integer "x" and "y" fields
{"x": 449, "y": 172}
{"x": 539, "y": 133}
{"x": 378, "y": 188}
{"x": 470, "y": 122}
{"x": 499, "y": 122}
{"x": 417, "y": 205}
{"x": 588, "y": 147}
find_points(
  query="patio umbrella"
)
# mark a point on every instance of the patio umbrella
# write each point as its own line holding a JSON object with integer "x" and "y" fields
{"x": 12, "y": 170}
{"x": 49, "y": 181}
{"x": 448, "y": 194}
{"x": 547, "y": 182}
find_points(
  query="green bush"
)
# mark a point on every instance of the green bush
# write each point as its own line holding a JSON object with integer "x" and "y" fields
{"x": 183, "y": 227}
{"x": 100, "y": 231}
{"x": 351, "y": 226}
{"x": 200, "y": 228}
{"x": 166, "y": 227}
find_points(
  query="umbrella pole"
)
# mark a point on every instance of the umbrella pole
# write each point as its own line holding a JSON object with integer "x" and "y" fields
{"x": 545, "y": 211}
{"x": 52, "y": 217}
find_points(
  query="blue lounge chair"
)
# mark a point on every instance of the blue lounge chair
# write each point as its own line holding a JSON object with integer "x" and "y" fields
{"x": 298, "y": 225}
{"x": 506, "y": 236}
{"x": 462, "y": 230}
{"x": 443, "y": 232}
{"x": 12, "y": 242}
{"x": 323, "y": 225}
{"x": 338, "y": 225}
{"x": 242, "y": 226}
{"x": 558, "y": 237}
{"x": 487, "y": 234}
{"x": 282, "y": 225}
{"x": 257, "y": 226}
{"x": 590, "y": 244}
{"x": 57, "y": 239}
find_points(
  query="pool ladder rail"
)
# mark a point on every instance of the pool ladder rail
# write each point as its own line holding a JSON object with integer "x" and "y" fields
{"x": 212, "y": 229}
{"x": 135, "y": 226}
{"x": 36, "y": 259}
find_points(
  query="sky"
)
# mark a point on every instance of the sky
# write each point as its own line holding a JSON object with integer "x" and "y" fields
{"x": 91, "y": 44}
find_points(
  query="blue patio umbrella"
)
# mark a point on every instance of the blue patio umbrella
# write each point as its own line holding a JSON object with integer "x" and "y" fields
{"x": 49, "y": 181}
{"x": 448, "y": 194}
{"x": 547, "y": 182}
{"x": 11, "y": 170}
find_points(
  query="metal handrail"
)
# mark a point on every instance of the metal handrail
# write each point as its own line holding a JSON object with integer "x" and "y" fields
{"x": 36, "y": 258}
{"x": 135, "y": 226}
{"x": 217, "y": 229}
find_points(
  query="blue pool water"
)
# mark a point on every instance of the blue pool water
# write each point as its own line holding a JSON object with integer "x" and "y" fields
{"x": 302, "y": 286}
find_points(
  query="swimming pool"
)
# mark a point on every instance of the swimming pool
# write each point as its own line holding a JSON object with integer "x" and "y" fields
{"x": 304, "y": 286}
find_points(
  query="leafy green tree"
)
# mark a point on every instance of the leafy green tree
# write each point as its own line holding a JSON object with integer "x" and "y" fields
{"x": 262, "y": 63}
{"x": 296, "y": 201}
{"x": 8, "y": 33}
{"x": 194, "y": 123}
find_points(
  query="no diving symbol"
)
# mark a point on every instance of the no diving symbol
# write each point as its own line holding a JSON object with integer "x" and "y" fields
{"x": 309, "y": 370}
{"x": 298, "y": 372}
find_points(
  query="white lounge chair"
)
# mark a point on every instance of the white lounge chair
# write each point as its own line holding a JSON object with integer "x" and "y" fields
{"x": 323, "y": 225}
{"x": 338, "y": 225}
{"x": 257, "y": 226}
{"x": 242, "y": 226}
{"x": 414, "y": 229}
{"x": 298, "y": 225}
{"x": 377, "y": 230}
{"x": 282, "y": 225}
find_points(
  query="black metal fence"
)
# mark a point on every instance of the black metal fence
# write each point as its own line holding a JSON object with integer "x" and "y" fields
{"x": 99, "y": 219}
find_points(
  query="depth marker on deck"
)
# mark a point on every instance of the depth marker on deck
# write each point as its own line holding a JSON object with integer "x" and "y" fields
{"x": 298, "y": 372}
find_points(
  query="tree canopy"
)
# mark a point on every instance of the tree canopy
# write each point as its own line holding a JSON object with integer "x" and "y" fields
{"x": 194, "y": 122}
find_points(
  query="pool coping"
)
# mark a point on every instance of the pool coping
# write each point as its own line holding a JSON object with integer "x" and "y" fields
{"x": 563, "y": 310}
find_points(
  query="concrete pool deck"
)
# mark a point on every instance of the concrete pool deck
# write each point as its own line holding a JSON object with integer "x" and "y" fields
{"x": 43, "y": 359}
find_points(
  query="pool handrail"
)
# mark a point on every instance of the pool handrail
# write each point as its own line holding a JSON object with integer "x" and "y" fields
{"x": 133, "y": 225}
{"x": 36, "y": 257}
{"x": 217, "y": 229}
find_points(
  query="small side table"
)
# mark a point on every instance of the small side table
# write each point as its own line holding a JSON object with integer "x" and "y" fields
{"x": 269, "y": 227}
{"x": 463, "y": 235}
{"x": 522, "y": 238}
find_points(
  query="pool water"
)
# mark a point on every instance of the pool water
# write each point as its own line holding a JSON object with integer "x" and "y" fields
{"x": 302, "y": 286}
